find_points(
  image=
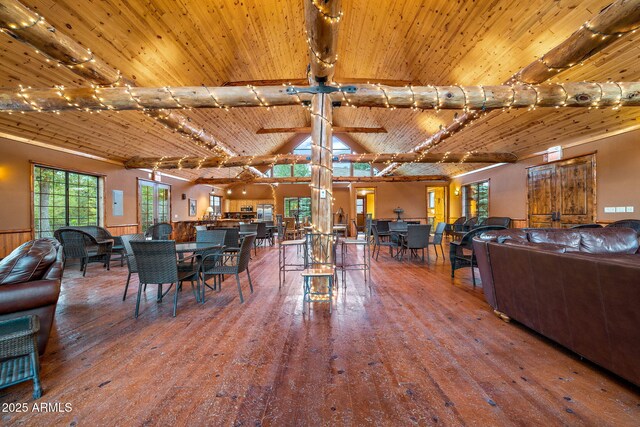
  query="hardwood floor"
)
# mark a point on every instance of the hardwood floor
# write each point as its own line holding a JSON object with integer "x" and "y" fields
{"x": 415, "y": 348}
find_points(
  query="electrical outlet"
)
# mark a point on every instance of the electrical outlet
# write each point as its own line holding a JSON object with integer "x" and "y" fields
{"x": 629, "y": 209}
{"x": 620, "y": 209}
{"x": 609, "y": 209}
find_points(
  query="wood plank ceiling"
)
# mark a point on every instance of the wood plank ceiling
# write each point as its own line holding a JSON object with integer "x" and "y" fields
{"x": 189, "y": 42}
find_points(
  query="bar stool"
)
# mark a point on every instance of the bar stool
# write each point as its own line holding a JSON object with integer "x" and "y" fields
{"x": 318, "y": 266}
{"x": 282, "y": 258}
{"x": 365, "y": 265}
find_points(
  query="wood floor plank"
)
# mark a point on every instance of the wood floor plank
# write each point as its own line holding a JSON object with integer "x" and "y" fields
{"x": 413, "y": 347}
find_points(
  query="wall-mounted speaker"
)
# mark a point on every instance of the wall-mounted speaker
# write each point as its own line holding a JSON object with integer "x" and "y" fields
{"x": 184, "y": 196}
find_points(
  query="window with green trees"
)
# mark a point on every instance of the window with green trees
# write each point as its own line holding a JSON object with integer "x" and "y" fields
{"x": 63, "y": 198}
{"x": 300, "y": 206}
{"x": 475, "y": 199}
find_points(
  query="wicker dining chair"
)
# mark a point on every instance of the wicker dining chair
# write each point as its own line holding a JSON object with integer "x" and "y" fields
{"x": 417, "y": 239}
{"x": 82, "y": 245}
{"x": 437, "y": 238}
{"x": 234, "y": 264}
{"x": 160, "y": 231}
{"x": 131, "y": 259}
{"x": 627, "y": 223}
{"x": 262, "y": 235}
{"x": 378, "y": 243}
{"x": 461, "y": 253}
{"x": 157, "y": 264}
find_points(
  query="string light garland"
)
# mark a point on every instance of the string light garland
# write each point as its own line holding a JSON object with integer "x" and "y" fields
{"x": 331, "y": 19}
{"x": 317, "y": 56}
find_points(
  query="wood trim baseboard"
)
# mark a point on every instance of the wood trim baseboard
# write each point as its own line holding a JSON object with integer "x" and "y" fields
{"x": 121, "y": 225}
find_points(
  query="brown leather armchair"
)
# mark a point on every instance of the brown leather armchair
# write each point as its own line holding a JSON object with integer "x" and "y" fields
{"x": 30, "y": 284}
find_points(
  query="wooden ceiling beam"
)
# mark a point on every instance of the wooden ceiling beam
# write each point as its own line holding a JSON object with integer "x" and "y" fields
{"x": 583, "y": 95}
{"x": 322, "y": 19}
{"x": 336, "y": 129}
{"x": 287, "y": 159}
{"x": 305, "y": 180}
{"x": 32, "y": 29}
{"x": 303, "y": 82}
{"x": 619, "y": 18}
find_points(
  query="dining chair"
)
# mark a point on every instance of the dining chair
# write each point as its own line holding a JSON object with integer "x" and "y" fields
{"x": 437, "y": 238}
{"x": 82, "y": 245}
{"x": 378, "y": 243}
{"x": 157, "y": 264}
{"x": 262, "y": 235}
{"x": 131, "y": 259}
{"x": 461, "y": 252}
{"x": 396, "y": 228}
{"x": 160, "y": 231}
{"x": 236, "y": 264}
{"x": 417, "y": 239}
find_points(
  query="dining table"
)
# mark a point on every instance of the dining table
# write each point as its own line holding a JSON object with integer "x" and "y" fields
{"x": 196, "y": 247}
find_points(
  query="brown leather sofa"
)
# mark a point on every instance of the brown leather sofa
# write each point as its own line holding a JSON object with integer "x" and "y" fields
{"x": 580, "y": 288}
{"x": 30, "y": 284}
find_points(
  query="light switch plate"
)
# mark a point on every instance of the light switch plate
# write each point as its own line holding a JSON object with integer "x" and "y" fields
{"x": 629, "y": 209}
{"x": 620, "y": 209}
{"x": 609, "y": 209}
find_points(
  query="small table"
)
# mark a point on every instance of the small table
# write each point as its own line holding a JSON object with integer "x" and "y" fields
{"x": 19, "y": 348}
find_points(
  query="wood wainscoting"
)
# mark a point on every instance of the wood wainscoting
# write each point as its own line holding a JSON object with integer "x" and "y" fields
{"x": 11, "y": 239}
{"x": 119, "y": 230}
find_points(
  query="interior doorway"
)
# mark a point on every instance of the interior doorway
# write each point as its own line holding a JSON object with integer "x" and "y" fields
{"x": 365, "y": 205}
{"x": 436, "y": 205}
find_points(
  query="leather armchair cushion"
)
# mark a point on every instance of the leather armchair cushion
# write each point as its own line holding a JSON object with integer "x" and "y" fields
{"x": 559, "y": 237}
{"x": 609, "y": 240}
{"x": 550, "y": 247}
{"x": 30, "y": 261}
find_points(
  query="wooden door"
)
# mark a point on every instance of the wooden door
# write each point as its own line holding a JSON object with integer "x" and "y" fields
{"x": 562, "y": 194}
{"x": 541, "y": 189}
{"x": 575, "y": 185}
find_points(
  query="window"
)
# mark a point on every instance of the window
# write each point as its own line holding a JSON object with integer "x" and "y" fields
{"x": 361, "y": 169}
{"x": 475, "y": 199}
{"x": 280, "y": 171}
{"x": 63, "y": 198}
{"x": 339, "y": 169}
{"x": 216, "y": 203}
{"x": 300, "y": 206}
{"x": 301, "y": 170}
{"x": 359, "y": 206}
